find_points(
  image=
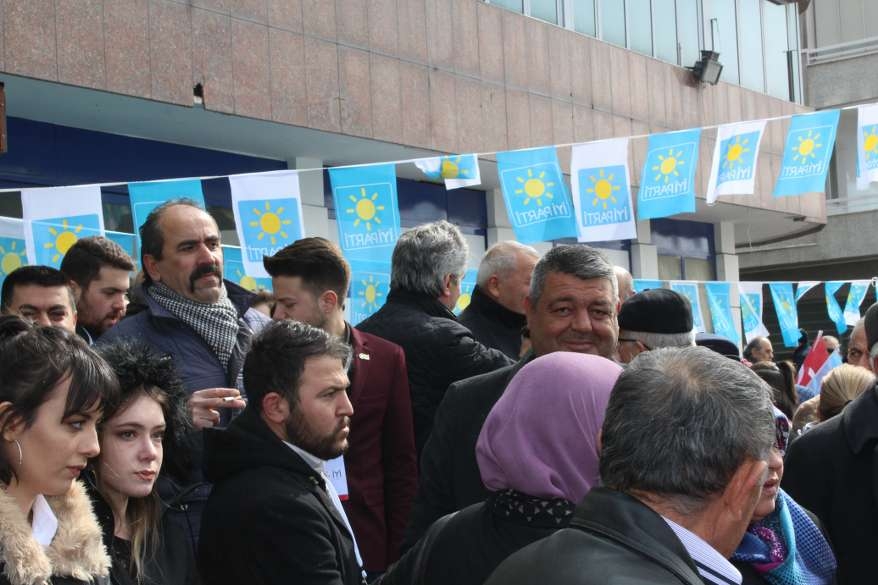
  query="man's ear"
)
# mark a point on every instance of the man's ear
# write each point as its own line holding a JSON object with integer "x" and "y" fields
{"x": 744, "y": 488}
{"x": 150, "y": 265}
{"x": 77, "y": 290}
{"x": 275, "y": 408}
{"x": 328, "y": 301}
{"x": 493, "y": 286}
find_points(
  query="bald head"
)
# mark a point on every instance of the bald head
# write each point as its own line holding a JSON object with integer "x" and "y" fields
{"x": 504, "y": 273}
{"x": 626, "y": 283}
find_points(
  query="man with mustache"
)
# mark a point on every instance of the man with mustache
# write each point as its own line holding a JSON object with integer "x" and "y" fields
{"x": 98, "y": 269}
{"x": 202, "y": 321}
{"x": 572, "y": 306}
{"x": 290, "y": 527}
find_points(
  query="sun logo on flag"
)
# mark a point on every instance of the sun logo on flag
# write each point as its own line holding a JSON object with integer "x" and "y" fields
{"x": 806, "y": 147}
{"x": 534, "y": 187}
{"x": 11, "y": 259}
{"x": 245, "y": 280}
{"x": 63, "y": 239}
{"x": 270, "y": 223}
{"x": 668, "y": 165}
{"x": 365, "y": 208}
{"x": 602, "y": 188}
{"x": 452, "y": 169}
{"x": 370, "y": 293}
{"x": 735, "y": 153}
{"x": 870, "y": 141}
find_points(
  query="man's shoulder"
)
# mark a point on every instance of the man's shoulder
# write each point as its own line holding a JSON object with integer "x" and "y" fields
{"x": 131, "y": 326}
{"x": 376, "y": 345}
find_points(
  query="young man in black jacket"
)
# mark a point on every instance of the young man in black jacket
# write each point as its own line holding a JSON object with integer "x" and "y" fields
{"x": 273, "y": 515}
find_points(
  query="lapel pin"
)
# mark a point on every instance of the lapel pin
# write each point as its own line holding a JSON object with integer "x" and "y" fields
{"x": 363, "y": 356}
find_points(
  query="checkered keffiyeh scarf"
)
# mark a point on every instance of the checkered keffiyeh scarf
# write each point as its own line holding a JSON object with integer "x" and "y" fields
{"x": 215, "y": 323}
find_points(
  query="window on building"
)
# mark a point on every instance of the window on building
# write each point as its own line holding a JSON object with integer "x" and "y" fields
{"x": 721, "y": 27}
{"x": 639, "y": 26}
{"x": 582, "y": 13}
{"x": 776, "y": 60}
{"x": 687, "y": 32}
{"x": 545, "y": 10}
{"x": 613, "y": 21}
{"x": 665, "y": 27}
{"x": 750, "y": 44}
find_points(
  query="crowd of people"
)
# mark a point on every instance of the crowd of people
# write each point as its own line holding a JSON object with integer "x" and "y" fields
{"x": 563, "y": 429}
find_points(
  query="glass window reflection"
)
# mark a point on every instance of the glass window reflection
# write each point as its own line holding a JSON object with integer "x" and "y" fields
{"x": 613, "y": 21}
{"x": 583, "y": 17}
{"x": 750, "y": 45}
{"x": 640, "y": 26}
{"x": 517, "y": 5}
{"x": 722, "y": 24}
{"x": 666, "y": 30}
{"x": 687, "y": 31}
{"x": 545, "y": 10}
{"x": 777, "y": 80}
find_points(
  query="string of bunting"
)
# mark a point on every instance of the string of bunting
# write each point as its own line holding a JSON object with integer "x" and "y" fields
{"x": 267, "y": 207}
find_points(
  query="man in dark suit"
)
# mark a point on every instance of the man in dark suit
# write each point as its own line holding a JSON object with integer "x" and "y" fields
{"x": 310, "y": 280}
{"x": 274, "y": 517}
{"x": 832, "y": 470}
{"x": 572, "y": 306}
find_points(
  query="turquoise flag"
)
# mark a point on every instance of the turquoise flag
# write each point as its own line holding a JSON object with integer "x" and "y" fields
{"x": 787, "y": 315}
{"x": 13, "y": 251}
{"x": 537, "y": 201}
{"x": 367, "y": 211}
{"x": 667, "y": 183}
{"x": 642, "y": 284}
{"x": 807, "y": 152}
{"x": 233, "y": 269}
{"x": 832, "y": 308}
{"x": 856, "y": 295}
{"x": 466, "y": 290}
{"x": 721, "y": 310}
{"x": 690, "y": 291}
{"x": 147, "y": 196}
{"x": 127, "y": 243}
{"x": 370, "y": 283}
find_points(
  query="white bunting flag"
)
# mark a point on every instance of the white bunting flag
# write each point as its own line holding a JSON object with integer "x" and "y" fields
{"x": 268, "y": 215}
{"x": 867, "y": 145}
{"x": 735, "y": 155}
{"x": 751, "y": 310}
{"x": 56, "y": 217}
{"x": 459, "y": 170}
{"x": 803, "y": 287}
{"x": 602, "y": 191}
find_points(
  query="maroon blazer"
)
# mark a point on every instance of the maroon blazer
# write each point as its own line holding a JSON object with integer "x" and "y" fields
{"x": 381, "y": 461}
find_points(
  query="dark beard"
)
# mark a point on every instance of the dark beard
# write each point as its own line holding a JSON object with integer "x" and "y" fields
{"x": 300, "y": 434}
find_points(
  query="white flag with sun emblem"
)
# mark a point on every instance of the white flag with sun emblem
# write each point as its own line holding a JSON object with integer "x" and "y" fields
{"x": 268, "y": 215}
{"x": 601, "y": 191}
{"x": 735, "y": 155}
{"x": 867, "y": 145}
{"x": 459, "y": 170}
{"x": 56, "y": 217}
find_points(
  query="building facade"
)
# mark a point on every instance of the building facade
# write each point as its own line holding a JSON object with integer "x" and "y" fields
{"x": 122, "y": 90}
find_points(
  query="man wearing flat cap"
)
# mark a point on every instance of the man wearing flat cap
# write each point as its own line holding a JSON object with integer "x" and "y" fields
{"x": 832, "y": 471}
{"x": 652, "y": 319}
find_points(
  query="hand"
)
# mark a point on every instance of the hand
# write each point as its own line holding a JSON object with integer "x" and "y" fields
{"x": 204, "y": 405}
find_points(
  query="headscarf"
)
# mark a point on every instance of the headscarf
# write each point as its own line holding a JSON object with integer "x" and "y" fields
{"x": 786, "y": 547}
{"x": 540, "y": 438}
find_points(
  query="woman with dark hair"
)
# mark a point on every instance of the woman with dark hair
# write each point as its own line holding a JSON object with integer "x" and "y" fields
{"x": 537, "y": 453}
{"x": 142, "y": 427}
{"x": 50, "y": 402}
{"x": 783, "y": 544}
{"x": 781, "y": 376}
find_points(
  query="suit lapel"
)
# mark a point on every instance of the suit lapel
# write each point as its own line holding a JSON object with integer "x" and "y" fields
{"x": 361, "y": 364}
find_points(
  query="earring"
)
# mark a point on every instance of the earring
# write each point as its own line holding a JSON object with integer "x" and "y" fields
{"x": 20, "y": 457}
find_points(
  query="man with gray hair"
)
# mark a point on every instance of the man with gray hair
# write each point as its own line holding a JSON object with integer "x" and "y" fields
{"x": 427, "y": 266}
{"x": 495, "y": 314}
{"x": 655, "y": 318}
{"x": 572, "y": 306}
{"x": 682, "y": 468}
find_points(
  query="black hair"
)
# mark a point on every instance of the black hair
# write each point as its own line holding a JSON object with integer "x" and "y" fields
{"x": 34, "y": 360}
{"x": 44, "y": 276}
{"x": 277, "y": 358}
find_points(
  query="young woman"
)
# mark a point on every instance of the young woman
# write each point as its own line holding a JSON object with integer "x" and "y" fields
{"x": 50, "y": 401}
{"x": 140, "y": 429}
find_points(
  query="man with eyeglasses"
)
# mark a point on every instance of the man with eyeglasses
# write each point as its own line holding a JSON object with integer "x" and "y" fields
{"x": 652, "y": 319}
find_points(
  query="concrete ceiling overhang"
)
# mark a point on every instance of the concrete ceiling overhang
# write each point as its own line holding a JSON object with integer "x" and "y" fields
{"x": 196, "y": 126}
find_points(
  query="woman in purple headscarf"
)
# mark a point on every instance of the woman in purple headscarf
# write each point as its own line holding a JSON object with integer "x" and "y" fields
{"x": 538, "y": 454}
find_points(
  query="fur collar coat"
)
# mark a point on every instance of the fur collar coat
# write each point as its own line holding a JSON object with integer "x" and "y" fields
{"x": 76, "y": 554}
